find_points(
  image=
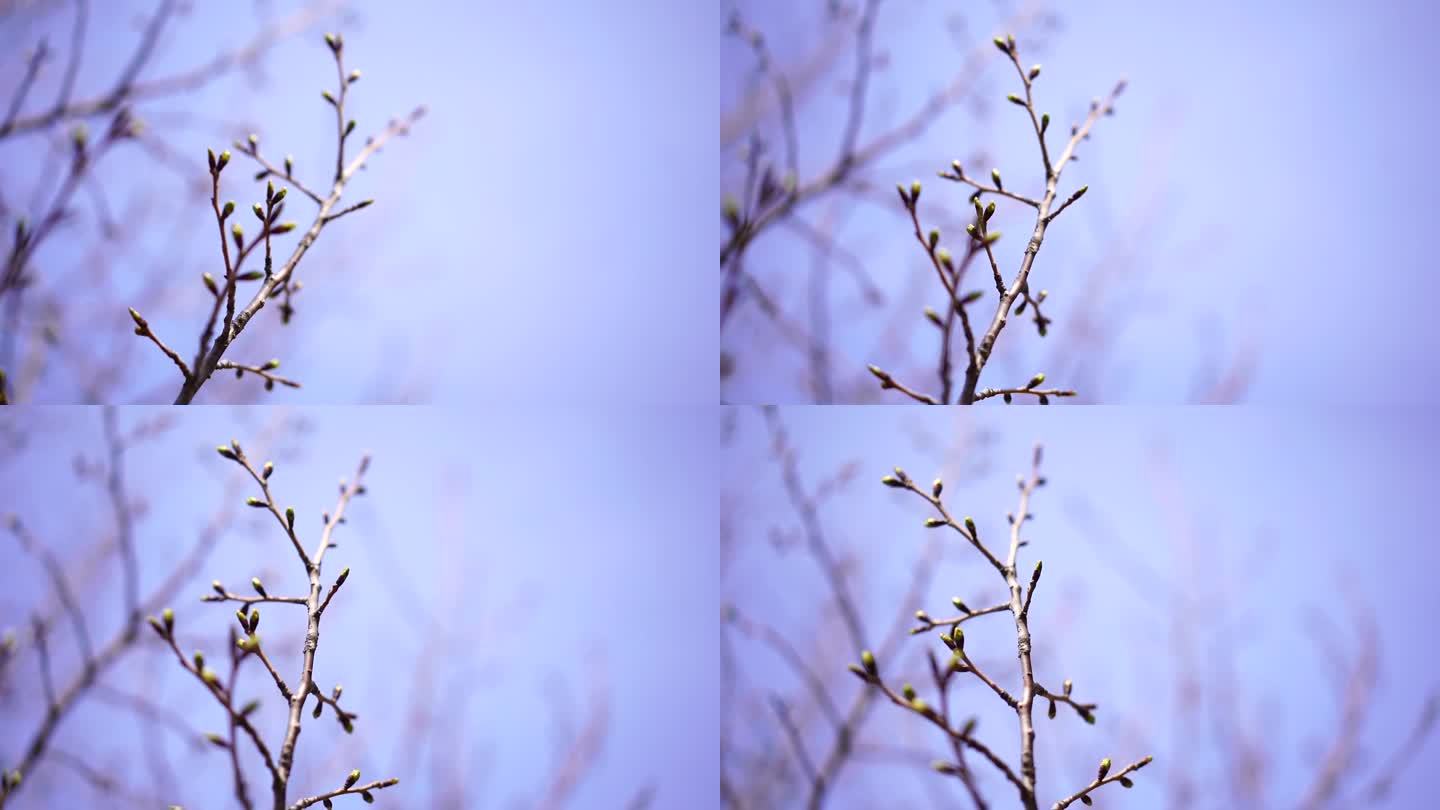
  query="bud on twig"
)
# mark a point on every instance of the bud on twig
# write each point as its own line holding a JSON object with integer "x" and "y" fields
{"x": 867, "y": 659}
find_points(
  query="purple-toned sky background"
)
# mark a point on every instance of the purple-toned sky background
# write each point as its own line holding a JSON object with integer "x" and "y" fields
{"x": 535, "y": 237}
{"x": 1263, "y": 180}
{"x": 1263, "y": 518}
{"x": 549, "y": 551}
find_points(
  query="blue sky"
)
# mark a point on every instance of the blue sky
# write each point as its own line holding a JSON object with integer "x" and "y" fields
{"x": 1258, "y": 187}
{"x": 1246, "y": 524}
{"x": 522, "y": 558}
{"x": 534, "y": 238}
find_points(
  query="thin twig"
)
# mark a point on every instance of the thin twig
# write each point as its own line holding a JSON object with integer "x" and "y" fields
{"x": 960, "y": 662}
